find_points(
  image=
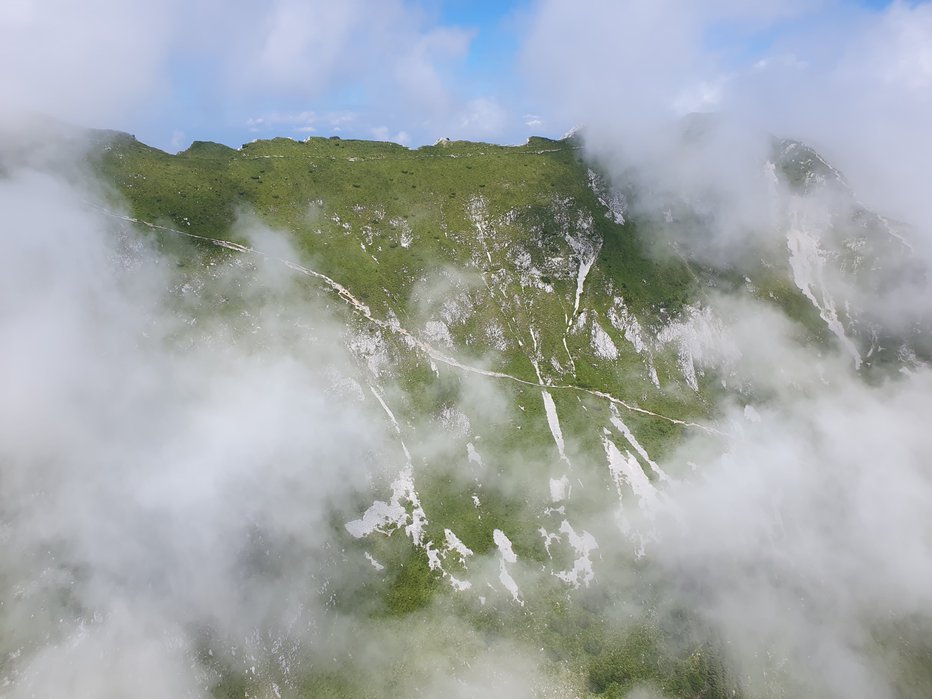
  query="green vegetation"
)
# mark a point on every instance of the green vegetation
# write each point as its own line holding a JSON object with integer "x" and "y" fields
{"x": 476, "y": 251}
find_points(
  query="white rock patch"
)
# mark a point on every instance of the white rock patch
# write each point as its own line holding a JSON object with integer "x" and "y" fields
{"x": 807, "y": 260}
{"x": 583, "y": 544}
{"x": 553, "y": 421}
{"x": 560, "y": 488}
{"x": 437, "y": 332}
{"x": 602, "y": 343}
{"x": 506, "y": 556}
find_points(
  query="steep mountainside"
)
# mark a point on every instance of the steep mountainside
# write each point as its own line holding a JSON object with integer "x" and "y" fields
{"x": 535, "y": 351}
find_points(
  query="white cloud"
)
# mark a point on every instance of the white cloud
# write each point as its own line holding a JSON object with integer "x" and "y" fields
{"x": 852, "y": 82}
{"x": 108, "y": 63}
{"x": 301, "y": 122}
{"x": 862, "y": 96}
{"x": 89, "y": 63}
{"x": 533, "y": 121}
{"x": 421, "y": 69}
{"x": 483, "y": 117}
{"x": 168, "y": 472}
{"x": 299, "y": 46}
{"x": 383, "y": 133}
{"x": 803, "y": 538}
{"x": 704, "y": 96}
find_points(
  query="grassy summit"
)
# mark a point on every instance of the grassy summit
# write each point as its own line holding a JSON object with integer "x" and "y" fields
{"x": 383, "y": 220}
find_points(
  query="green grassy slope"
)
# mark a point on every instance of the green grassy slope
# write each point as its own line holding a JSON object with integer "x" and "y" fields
{"x": 477, "y": 252}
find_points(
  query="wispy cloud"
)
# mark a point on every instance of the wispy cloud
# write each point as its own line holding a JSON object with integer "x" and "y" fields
{"x": 301, "y": 122}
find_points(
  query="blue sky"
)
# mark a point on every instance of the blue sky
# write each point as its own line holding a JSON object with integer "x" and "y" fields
{"x": 406, "y": 70}
{"x": 489, "y": 70}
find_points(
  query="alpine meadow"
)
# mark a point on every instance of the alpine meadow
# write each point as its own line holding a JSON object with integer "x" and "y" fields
{"x": 333, "y": 391}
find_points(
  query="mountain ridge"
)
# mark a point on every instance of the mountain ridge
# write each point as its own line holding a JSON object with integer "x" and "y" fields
{"x": 533, "y": 348}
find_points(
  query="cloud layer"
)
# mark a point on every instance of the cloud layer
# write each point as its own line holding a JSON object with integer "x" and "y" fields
{"x": 851, "y": 82}
{"x": 173, "y": 451}
{"x": 217, "y": 70}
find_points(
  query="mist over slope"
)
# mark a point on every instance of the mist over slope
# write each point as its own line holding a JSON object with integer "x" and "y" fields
{"x": 638, "y": 412}
{"x": 340, "y": 418}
